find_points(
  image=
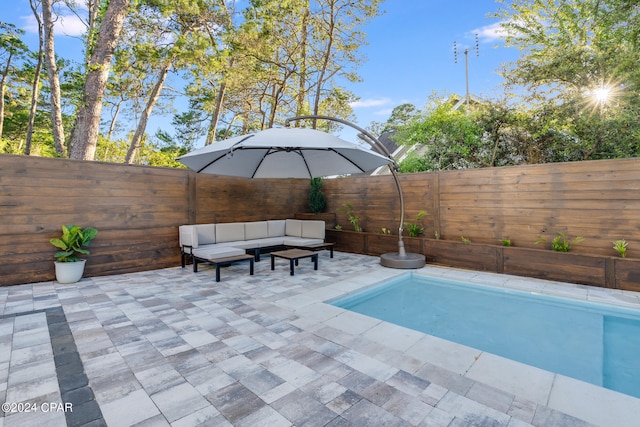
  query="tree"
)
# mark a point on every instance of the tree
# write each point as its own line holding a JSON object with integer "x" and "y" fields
{"x": 572, "y": 46}
{"x": 35, "y": 87}
{"x": 54, "y": 79}
{"x": 338, "y": 38}
{"x": 578, "y": 58}
{"x": 400, "y": 116}
{"x": 85, "y": 133}
{"x": 453, "y": 138}
{"x": 11, "y": 47}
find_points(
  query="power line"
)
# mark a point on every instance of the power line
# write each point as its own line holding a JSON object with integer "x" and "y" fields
{"x": 466, "y": 64}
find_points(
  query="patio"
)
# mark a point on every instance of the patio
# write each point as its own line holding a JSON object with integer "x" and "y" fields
{"x": 172, "y": 347}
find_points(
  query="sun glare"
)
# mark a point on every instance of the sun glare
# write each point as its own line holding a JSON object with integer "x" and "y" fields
{"x": 602, "y": 94}
{"x": 599, "y": 98}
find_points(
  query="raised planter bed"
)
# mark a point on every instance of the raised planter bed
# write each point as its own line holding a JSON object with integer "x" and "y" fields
{"x": 594, "y": 270}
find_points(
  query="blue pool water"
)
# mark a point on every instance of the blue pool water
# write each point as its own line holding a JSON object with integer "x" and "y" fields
{"x": 592, "y": 342}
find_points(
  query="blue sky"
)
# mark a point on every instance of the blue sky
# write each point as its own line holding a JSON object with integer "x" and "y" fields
{"x": 409, "y": 55}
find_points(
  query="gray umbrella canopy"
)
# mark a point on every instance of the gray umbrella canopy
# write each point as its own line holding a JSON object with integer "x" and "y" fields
{"x": 284, "y": 153}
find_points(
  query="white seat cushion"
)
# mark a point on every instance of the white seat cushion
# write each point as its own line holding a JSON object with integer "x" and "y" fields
{"x": 301, "y": 241}
{"x": 215, "y": 252}
{"x": 261, "y": 243}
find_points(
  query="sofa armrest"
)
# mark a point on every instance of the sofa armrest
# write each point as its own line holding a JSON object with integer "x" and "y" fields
{"x": 188, "y": 236}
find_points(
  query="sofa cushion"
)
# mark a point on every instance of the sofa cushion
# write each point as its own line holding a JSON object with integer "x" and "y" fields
{"x": 313, "y": 229}
{"x": 256, "y": 230}
{"x": 301, "y": 241}
{"x": 245, "y": 244}
{"x": 293, "y": 227}
{"x": 216, "y": 252}
{"x": 206, "y": 234}
{"x": 276, "y": 227}
{"x": 229, "y": 232}
{"x": 270, "y": 241}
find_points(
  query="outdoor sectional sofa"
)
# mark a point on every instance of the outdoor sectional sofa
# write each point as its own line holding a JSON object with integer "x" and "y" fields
{"x": 208, "y": 242}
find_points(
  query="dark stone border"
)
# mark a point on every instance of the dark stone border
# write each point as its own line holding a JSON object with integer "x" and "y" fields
{"x": 72, "y": 380}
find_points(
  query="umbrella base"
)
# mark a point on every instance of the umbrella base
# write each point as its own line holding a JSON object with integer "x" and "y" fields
{"x": 410, "y": 260}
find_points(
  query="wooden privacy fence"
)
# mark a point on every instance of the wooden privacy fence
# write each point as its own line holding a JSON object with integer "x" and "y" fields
{"x": 137, "y": 210}
{"x": 597, "y": 200}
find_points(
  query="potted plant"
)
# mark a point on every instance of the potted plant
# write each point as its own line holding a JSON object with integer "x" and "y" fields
{"x": 69, "y": 267}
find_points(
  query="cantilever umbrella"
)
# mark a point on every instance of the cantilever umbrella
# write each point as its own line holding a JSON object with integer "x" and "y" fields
{"x": 284, "y": 153}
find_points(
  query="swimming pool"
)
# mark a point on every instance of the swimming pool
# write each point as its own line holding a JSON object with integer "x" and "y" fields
{"x": 592, "y": 342}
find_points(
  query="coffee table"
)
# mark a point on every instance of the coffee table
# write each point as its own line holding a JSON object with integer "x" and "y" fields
{"x": 219, "y": 262}
{"x": 317, "y": 247}
{"x": 293, "y": 255}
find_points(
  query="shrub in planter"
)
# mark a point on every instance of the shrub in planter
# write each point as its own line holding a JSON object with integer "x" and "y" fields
{"x": 317, "y": 200}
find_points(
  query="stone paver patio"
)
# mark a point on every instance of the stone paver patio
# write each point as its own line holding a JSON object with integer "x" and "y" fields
{"x": 173, "y": 347}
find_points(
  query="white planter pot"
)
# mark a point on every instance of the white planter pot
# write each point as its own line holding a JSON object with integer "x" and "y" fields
{"x": 69, "y": 272}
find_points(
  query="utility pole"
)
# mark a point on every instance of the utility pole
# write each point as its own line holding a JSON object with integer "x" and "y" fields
{"x": 466, "y": 65}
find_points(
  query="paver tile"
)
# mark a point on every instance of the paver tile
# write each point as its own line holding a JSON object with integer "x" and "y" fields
{"x": 129, "y": 409}
{"x": 179, "y": 401}
{"x": 172, "y": 347}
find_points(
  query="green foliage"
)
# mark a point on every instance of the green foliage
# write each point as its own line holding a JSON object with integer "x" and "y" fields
{"x": 317, "y": 200}
{"x": 453, "y": 138}
{"x": 415, "y": 228}
{"x": 416, "y": 163}
{"x": 569, "y": 51}
{"x": 562, "y": 242}
{"x": 621, "y": 247}
{"x": 150, "y": 153}
{"x": 72, "y": 242}
{"x": 385, "y": 230}
{"x": 465, "y": 240}
{"x": 505, "y": 242}
{"x": 338, "y": 227}
{"x": 400, "y": 116}
{"x": 347, "y": 209}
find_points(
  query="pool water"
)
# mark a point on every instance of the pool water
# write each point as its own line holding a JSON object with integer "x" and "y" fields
{"x": 592, "y": 342}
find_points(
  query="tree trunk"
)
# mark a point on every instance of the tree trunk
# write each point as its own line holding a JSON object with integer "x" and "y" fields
{"x": 325, "y": 64}
{"x": 114, "y": 119}
{"x": 54, "y": 80}
{"x": 211, "y": 135}
{"x": 36, "y": 82}
{"x": 142, "y": 124}
{"x": 3, "y": 83}
{"x": 85, "y": 135}
{"x": 275, "y": 97}
{"x": 302, "y": 87}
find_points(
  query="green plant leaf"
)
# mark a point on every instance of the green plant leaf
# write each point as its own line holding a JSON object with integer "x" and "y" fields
{"x": 58, "y": 243}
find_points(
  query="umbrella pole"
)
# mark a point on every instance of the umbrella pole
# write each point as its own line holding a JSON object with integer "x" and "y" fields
{"x": 401, "y": 259}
